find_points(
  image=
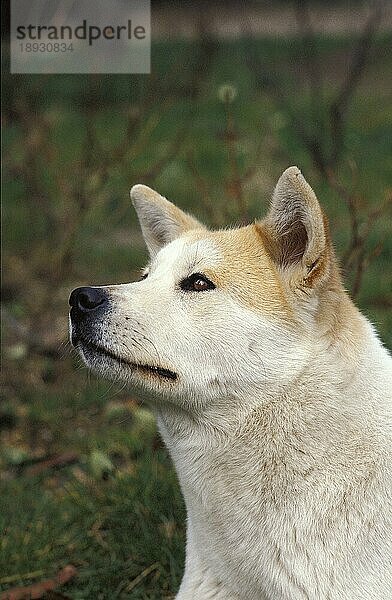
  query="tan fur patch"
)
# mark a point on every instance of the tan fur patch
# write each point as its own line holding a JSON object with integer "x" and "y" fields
{"x": 247, "y": 272}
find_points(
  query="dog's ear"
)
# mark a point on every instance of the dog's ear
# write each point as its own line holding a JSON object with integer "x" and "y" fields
{"x": 297, "y": 227}
{"x": 161, "y": 222}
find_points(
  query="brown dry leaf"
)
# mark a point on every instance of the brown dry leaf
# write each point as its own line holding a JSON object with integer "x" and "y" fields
{"x": 168, "y": 528}
{"x": 38, "y": 590}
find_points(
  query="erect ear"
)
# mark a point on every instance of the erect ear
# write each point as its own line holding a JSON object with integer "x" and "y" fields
{"x": 298, "y": 227}
{"x": 161, "y": 222}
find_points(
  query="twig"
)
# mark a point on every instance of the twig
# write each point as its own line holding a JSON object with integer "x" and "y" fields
{"x": 203, "y": 187}
{"x": 18, "y": 577}
{"x": 357, "y": 257}
{"x": 53, "y": 462}
{"x": 172, "y": 151}
{"x": 310, "y": 58}
{"x": 234, "y": 184}
{"x": 359, "y": 59}
{"x": 142, "y": 576}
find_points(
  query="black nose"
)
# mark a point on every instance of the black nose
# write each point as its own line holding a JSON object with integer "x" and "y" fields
{"x": 86, "y": 299}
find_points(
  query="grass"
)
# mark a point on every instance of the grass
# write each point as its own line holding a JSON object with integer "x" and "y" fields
{"x": 113, "y": 514}
{"x": 116, "y": 512}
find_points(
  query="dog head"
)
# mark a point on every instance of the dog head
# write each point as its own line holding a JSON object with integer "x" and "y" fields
{"x": 216, "y": 312}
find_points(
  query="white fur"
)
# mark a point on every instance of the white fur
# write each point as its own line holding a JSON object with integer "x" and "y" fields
{"x": 281, "y": 438}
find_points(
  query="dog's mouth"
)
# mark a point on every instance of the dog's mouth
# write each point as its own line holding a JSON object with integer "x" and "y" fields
{"x": 143, "y": 368}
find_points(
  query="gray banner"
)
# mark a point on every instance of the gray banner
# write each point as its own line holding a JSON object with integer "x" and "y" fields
{"x": 80, "y": 36}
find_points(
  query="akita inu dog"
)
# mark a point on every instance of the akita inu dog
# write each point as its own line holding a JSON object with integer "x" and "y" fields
{"x": 272, "y": 393}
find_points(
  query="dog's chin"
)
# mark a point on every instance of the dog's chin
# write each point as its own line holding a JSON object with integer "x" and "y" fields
{"x": 109, "y": 364}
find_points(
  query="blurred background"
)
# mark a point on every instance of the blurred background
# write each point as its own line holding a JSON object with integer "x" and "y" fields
{"x": 238, "y": 91}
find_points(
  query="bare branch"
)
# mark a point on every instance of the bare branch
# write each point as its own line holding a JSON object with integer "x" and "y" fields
{"x": 310, "y": 58}
{"x": 358, "y": 256}
{"x": 234, "y": 185}
{"x": 203, "y": 187}
{"x": 359, "y": 60}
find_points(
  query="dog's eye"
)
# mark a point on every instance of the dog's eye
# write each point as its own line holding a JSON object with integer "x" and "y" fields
{"x": 144, "y": 276}
{"x": 196, "y": 283}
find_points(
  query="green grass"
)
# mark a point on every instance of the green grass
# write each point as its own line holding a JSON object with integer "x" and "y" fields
{"x": 117, "y": 512}
{"x": 114, "y": 514}
{"x": 110, "y": 530}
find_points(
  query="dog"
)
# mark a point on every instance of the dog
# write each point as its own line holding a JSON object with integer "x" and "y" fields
{"x": 272, "y": 393}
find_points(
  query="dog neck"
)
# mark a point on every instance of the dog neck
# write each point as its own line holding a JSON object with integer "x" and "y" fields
{"x": 347, "y": 354}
